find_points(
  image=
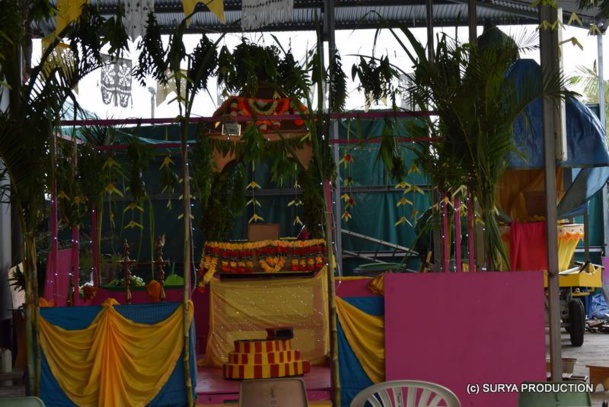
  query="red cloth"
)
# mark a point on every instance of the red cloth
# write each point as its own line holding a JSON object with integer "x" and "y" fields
{"x": 528, "y": 244}
{"x": 153, "y": 288}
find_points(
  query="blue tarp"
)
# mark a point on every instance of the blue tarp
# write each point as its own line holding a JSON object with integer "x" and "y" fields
{"x": 586, "y": 147}
{"x": 585, "y": 134}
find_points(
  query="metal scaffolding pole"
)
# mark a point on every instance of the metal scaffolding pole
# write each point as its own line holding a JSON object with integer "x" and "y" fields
{"x": 550, "y": 62}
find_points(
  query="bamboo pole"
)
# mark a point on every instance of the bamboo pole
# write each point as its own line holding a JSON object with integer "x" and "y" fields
{"x": 332, "y": 317}
{"x": 187, "y": 249}
{"x": 457, "y": 211}
{"x": 31, "y": 312}
{"x": 321, "y": 147}
{"x": 471, "y": 244}
{"x": 446, "y": 232}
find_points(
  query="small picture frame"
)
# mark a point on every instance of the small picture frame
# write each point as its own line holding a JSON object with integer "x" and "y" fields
{"x": 231, "y": 129}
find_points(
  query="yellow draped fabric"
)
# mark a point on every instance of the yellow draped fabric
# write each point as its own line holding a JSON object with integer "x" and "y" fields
{"x": 67, "y": 11}
{"x": 521, "y": 193}
{"x": 377, "y": 284}
{"x": 215, "y": 6}
{"x": 366, "y": 336}
{"x": 243, "y": 309}
{"x": 114, "y": 361}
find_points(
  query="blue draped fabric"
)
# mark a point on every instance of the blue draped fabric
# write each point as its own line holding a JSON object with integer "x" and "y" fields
{"x": 587, "y": 182}
{"x": 585, "y": 133}
{"x": 173, "y": 392}
{"x": 585, "y": 136}
{"x": 353, "y": 379}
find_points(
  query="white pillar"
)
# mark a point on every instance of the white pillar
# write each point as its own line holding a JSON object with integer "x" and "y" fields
{"x": 6, "y": 298}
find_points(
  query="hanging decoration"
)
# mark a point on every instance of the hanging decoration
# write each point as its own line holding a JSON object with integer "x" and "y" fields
{"x": 136, "y": 16}
{"x": 408, "y": 189}
{"x": 254, "y": 202}
{"x": 169, "y": 178}
{"x": 265, "y": 256}
{"x": 163, "y": 91}
{"x": 116, "y": 81}
{"x": 259, "y": 13}
{"x": 67, "y": 11}
{"x": 235, "y": 107}
{"x": 215, "y": 6}
{"x": 346, "y": 197}
{"x": 61, "y": 58}
{"x": 296, "y": 203}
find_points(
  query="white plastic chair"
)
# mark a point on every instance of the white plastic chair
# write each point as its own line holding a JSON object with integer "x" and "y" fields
{"x": 406, "y": 393}
{"x": 25, "y": 401}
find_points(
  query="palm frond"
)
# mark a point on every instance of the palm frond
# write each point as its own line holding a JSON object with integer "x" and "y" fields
{"x": 473, "y": 102}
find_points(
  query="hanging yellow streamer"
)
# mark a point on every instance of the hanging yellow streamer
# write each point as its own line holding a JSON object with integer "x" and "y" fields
{"x": 114, "y": 361}
{"x": 215, "y": 6}
{"x": 365, "y": 334}
{"x": 67, "y": 11}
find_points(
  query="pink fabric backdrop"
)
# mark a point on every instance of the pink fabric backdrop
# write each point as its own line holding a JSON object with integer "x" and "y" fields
{"x": 57, "y": 280}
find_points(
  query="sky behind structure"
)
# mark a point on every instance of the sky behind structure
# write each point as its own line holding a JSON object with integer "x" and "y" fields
{"x": 144, "y": 100}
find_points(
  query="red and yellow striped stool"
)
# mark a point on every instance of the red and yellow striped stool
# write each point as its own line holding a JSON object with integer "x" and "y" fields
{"x": 265, "y": 358}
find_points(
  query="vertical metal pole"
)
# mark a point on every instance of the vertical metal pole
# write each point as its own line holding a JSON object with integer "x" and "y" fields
{"x": 551, "y": 130}
{"x": 152, "y": 100}
{"x": 6, "y": 247}
{"x": 603, "y": 119}
{"x": 329, "y": 36}
{"x": 429, "y": 20}
{"x": 601, "y": 80}
{"x": 586, "y": 237}
{"x": 472, "y": 21}
{"x": 6, "y": 244}
{"x": 329, "y": 27}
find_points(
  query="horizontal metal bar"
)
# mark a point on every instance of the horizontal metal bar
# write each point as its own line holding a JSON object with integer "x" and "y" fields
{"x": 379, "y": 241}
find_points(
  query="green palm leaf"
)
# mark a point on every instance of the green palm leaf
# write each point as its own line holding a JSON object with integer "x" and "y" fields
{"x": 473, "y": 106}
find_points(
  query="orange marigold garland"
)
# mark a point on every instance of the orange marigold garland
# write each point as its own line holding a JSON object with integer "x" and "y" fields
{"x": 272, "y": 264}
{"x": 270, "y": 256}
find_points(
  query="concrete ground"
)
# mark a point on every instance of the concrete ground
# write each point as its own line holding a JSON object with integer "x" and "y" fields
{"x": 594, "y": 351}
{"x": 10, "y": 388}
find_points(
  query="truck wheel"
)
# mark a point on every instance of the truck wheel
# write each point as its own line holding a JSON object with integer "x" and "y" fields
{"x": 577, "y": 322}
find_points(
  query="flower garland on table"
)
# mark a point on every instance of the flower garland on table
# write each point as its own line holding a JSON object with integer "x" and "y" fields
{"x": 270, "y": 256}
{"x": 272, "y": 264}
{"x": 263, "y": 106}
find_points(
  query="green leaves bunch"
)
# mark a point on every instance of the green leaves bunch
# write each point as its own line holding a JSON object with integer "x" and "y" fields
{"x": 151, "y": 60}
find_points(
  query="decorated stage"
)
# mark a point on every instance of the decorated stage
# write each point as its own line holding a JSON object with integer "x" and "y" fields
{"x": 238, "y": 306}
{"x": 450, "y": 328}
